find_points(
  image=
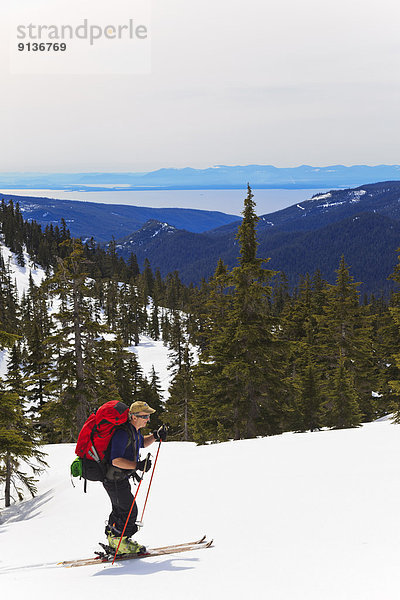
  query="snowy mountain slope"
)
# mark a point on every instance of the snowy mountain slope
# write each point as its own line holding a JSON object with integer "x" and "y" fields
{"x": 149, "y": 352}
{"x": 20, "y": 275}
{"x": 329, "y": 208}
{"x": 309, "y": 516}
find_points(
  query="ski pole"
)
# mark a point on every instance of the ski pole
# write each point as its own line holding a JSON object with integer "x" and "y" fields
{"x": 133, "y": 503}
{"x": 151, "y": 479}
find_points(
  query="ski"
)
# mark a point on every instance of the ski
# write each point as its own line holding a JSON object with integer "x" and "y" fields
{"x": 196, "y": 542}
{"x": 107, "y": 558}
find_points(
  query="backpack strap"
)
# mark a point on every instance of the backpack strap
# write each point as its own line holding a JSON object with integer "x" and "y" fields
{"x": 93, "y": 452}
{"x": 132, "y": 439}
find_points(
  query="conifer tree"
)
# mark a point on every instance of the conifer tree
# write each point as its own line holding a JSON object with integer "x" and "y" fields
{"x": 147, "y": 281}
{"x": 151, "y": 393}
{"x": 165, "y": 326}
{"x": 176, "y": 295}
{"x": 9, "y": 325}
{"x": 345, "y": 344}
{"x": 177, "y": 337}
{"x": 37, "y": 364}
{"x": 343, "y": 404}
{"x": 128, "y": 375}
{"x": 20, "y": 256}
{"x": 9, "y": 309}
{"x": 197, "y": 314}
{"x": 304, "y": 399}
{"x": 309, "y": 409}
{"x": 240, "y": 375}
{"x": 255, "y": 360}
{"x": 389, "y": 341}
{"x": 14, "y": 380}
{"x": 133, "y": 267}
{"x": 111, "y": 263}
{"x": 181, "y": 393}
{"x": 159, "y": 289}
{"x": 211, "y": 412}
{"x": 386, "y": 337}
{"x": 154, "y": 323}
{"x": 78, "y": 344}
{"x": 132, "y": 314}
{"x": 389, "y": 337}
{"x": 156, "y": 396}
{"x": 320, "y": 287}
{"x": 280, "y": 294}
{"x": 19, "y": 442}
{"x": 111, "y": 302}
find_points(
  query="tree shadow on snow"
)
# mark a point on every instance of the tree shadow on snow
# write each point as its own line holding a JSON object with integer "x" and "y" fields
{"x": 146, "y": 568}
{"x": 22, "y": 511}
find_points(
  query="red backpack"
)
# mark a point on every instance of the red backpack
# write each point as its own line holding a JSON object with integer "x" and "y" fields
{"x": 95, "y": 436}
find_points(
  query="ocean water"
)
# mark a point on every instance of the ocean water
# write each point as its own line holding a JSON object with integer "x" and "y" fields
{"x": 227, "y": 201}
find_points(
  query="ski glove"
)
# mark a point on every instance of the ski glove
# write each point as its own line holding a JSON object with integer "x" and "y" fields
{"x": 160, "y": 433}
{"x": 141, "y": 464}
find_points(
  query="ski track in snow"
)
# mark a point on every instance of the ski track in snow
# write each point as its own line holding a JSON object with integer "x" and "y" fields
{"x": 310, "y": 516}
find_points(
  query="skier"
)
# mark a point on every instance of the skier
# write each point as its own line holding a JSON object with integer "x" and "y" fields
{"x": 124, "y": 459}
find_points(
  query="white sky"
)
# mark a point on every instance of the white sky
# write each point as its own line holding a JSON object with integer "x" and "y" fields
{"x": 232, "y": 82}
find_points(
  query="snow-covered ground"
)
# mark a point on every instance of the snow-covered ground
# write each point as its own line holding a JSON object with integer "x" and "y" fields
{"x": 311, "y": 516}
{"x": 154, "y": 353}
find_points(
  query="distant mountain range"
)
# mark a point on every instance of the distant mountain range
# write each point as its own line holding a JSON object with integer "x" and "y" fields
{"x": 104, "y": 221}
{"x": 218, "y": 177}
{"x": 362, "y": 223}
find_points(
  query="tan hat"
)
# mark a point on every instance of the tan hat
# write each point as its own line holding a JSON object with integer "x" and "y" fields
{"x": 140, "y": 407}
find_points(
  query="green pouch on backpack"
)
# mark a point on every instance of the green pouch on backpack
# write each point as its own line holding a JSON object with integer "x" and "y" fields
{"x": 76, "y": 467}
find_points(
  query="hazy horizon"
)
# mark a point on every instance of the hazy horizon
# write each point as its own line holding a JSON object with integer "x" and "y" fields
{"x": 247, "y": 82}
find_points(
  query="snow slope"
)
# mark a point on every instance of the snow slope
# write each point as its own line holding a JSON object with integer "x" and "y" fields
{"x": 153, "y": 353}
{"x": 20, "y": 275}
{"x": 296, "y": 516}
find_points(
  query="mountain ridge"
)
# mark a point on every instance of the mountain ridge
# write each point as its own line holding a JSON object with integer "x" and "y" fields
{"x": 297, "y": 240}
{"x": 104, "y": 221}
{"x": 382, "y": 197}
{"x": 215, "y": 177}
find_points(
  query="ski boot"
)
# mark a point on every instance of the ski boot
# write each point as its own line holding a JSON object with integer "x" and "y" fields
{"x": 127, "y": 546}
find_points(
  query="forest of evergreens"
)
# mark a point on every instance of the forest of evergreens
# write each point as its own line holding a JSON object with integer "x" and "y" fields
{"x": 268, "y": 360}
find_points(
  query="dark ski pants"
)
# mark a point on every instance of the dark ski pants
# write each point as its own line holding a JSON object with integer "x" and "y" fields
{"x": 121, "y": 501}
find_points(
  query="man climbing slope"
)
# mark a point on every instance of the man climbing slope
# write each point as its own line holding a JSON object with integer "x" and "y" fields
{"x": 124, "y": 459}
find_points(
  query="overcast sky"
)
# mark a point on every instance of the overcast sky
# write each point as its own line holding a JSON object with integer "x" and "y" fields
{"x": 284, "y": 82}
